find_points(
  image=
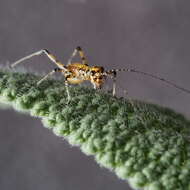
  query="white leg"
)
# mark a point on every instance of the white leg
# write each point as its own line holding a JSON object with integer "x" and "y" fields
{"x": 114, "y": 87}
{"x": 46, "y": 52}
{"x": 94, "y": 85}
{"x": 67, "y": 90}
{"x": 48, "y": 75}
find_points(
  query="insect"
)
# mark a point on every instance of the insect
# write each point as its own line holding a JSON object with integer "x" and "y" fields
{"x": 78, "y": 72}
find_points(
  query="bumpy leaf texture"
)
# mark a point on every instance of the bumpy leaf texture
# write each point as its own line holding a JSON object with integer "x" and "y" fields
{"x": 145, "y": 144}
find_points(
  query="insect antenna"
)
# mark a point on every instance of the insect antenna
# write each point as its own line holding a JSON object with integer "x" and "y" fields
{"x": 110, "y": 72}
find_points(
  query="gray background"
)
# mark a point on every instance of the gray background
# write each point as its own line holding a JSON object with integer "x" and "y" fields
{"x": 149, "y": 35}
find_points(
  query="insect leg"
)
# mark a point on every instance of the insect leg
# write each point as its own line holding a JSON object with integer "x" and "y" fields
{"x": 112, "y": 74}
{"x": 48, "y": 75}
{"x": 114, "y": 84}
{"x": 94, "y": 85}
{"x": 81, "y": 54}
{"x": 43, "y": 51}
{"x": 67, "y": 90}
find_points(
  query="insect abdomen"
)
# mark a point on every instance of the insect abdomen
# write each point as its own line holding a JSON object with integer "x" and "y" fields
{"x": 79, "y": 71}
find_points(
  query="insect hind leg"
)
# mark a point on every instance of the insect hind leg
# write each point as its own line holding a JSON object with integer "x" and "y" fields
{"x": 81, "y": 54}
{"x": 43, "y": 51}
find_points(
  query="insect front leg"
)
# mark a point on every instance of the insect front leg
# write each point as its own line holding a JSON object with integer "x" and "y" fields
{"x": 81, "y": 54}
{"x": 43, "y": 51}
{"x": 112, "y": 74}
{"x": 114, "y": 87}
{"x": 94, "y": 86}
{"x": 114, "y": 83}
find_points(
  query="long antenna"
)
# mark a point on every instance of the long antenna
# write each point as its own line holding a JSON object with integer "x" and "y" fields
{"x": 150, "y": 75}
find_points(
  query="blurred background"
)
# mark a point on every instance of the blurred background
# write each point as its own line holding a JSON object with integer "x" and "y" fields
{"x": 149, "y": 35}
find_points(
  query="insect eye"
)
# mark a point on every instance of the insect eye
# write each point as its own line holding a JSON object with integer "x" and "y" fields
{"x": 102, "y": 69}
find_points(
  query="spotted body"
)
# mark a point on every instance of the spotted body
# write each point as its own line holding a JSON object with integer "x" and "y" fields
{"x": 76, "y": 73}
